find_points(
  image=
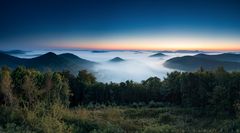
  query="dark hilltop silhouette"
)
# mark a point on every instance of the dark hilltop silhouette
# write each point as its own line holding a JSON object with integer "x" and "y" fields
{"x": 159, "y": 54}
{"x": 48, "y": 61}
{"x": 116, "y": 59}
{"x": 229, "y": 61}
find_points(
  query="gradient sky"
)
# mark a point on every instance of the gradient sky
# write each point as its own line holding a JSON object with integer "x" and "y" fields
{"x": 120, "y": 24}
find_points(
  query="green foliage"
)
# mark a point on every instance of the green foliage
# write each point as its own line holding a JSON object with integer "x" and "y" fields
{"x": 160, "y": 129}
{"x": 171, "y": 85}
{"x": 221, "y": 100}
{"x": 32, "y": 101}
{"x": 30, "y": 92}
{"x": 60, "y": 90}
{"x": 86, "y": 78}
{"x": 109, "y": 129}
{"x": 13, "y": 128}
{"x": 6, "y": 94}
{"x": 165, "y": 118}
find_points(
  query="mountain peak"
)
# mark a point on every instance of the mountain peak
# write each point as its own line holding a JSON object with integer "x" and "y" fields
{"x": 159, "y": 54}
{"x": 69, "y": 55}
{"x": 50, "y": 54}
{"x": 117, "y": 59}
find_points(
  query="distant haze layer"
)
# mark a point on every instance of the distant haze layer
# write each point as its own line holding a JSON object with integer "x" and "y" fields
{"x": 136, "y": 65}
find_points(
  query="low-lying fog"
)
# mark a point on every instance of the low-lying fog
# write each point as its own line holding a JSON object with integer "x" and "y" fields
{"x": 137, "y": 66}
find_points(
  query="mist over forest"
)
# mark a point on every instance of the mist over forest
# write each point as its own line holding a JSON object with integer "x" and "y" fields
{"x": 137, "y": 65}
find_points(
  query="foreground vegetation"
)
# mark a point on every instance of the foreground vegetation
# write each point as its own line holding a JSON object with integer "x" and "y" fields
{"x": 202, "y": 101}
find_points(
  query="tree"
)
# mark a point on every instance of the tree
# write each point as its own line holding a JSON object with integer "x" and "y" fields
{"x": 30, "y": 91}
{"x": 86, "y": 78}
{"x": 204, "y": 88}
{"x": 60, "y": 90}
{"x": 171, "y": 85}
{"x": 153, "y": 86}
{"x": 189, "y": 89}
{"x": 84, "y": 81}
{"x": 221, "y": 100}
{"x": 6, "y": 87}
{"x": 73, "y": 86}
{"x": 18, "y": 79}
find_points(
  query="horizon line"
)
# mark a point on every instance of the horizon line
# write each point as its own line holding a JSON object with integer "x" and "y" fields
{"x": 109, "y": 49}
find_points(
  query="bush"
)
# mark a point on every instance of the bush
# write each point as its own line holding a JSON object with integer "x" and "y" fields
{"x": 10, "y": 115}
{"x": 78, "y": 125}
{"x": 161, "y": 129}
{"x": 230, "y": 126}
{"x": 109, "y": 129}
{"x": 14, "y": 128}
{"x": 153, "y": 104}
{"x": 53, "y": 125}
{"x": 142, "y": 113}
{"x": 165, "y": 118}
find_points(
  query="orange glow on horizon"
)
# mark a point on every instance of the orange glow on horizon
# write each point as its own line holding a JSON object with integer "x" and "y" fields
{"x": 109, "y": 47}
{"x": 154, "y": 43}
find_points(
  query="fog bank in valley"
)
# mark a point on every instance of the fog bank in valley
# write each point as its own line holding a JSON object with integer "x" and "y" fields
{"x": 137, "y": 65}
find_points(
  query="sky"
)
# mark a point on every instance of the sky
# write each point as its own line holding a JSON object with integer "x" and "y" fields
{"x": 120, "y": 24}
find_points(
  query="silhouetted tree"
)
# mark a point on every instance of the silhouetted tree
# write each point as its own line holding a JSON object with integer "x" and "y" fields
{"x": 6, "y": 86}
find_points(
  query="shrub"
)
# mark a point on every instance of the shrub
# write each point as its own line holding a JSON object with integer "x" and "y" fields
{"x": 165, "y": 118}
{"x": 14, "y": 128}
{"x": 161, "y": 129}
{"x": 109, "y": 129}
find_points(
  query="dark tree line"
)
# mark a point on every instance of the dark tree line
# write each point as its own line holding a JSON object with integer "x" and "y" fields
{"x": 216, "y": 91}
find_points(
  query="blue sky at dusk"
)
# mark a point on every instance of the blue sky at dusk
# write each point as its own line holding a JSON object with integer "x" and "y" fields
{"x": 119, "y": 24}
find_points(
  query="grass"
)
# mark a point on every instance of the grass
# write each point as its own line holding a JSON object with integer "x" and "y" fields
{"x": 145, "y": 119}
{"x": 118, "y": 119}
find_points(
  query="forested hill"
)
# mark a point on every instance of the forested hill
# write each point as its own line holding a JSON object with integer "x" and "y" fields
{"x": 230, "y": 57}
{"x": 230, "y": 61}
{"x": 48, "y": 61}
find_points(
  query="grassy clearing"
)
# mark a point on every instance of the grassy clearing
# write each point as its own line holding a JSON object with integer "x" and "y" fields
{"x": 150, "y": 120}
{"x": 115, "y": 119}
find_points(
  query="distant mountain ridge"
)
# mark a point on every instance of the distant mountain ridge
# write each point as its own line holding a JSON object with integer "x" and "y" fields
{"x": 229, "y": 61}
{"x": 189, "y": 51}
{"x": 48, "y": 61}
{"x": 100, "y": 51}
{"x": 14, "y": 52}
{"x": 221, "y": 57}
{"x": 181, "y": 51}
